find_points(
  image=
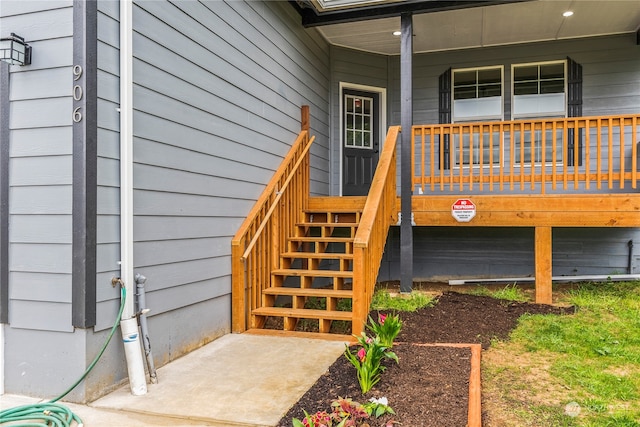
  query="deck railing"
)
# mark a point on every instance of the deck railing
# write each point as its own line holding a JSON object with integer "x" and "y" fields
{"x": 534, "y": 156}
{"x": 377, "y": 216}
{"x": 261, "y": 238}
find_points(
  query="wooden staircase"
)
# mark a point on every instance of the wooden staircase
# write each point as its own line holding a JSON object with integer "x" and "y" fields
{"x": 299, "y": 257}
{"x": 315, "y": 267}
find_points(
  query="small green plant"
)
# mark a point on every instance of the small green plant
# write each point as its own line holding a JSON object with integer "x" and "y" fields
{"x": 511, "y": 293}
{"x": 351, "y": 412}
{"x": 386, "y": 328}
{"x": 319, "y": 419}
{"x": 383, "y": 300}
{"x": 344, "y": 413}
{"x": 368, "y": 360}
{"x": 508, "y": 293}
{"x": 378, "y": 407}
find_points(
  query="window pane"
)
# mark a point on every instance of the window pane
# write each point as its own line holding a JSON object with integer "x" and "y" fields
{"x": 350, "y": 138}
{"x": 492, "y": 75}
{"x": 358, "y": 105}
{"x": 537, "y": 147}
{"x": 366, "y": 139}
{"x": 490, "y": 143}
{"x": 552, "y": 86}
{"x": 552, "y": 71}
{"x": 526, "y": 88}
{"x": 366, "y": 125}
{"x": 358, "y": 123}
{"x": 525, "y": 73}
{"x": 358, "y": 139}
{"x": 486, "y": 91}
{"x": 464, "y": 78}
{"x": 466, "y": 92}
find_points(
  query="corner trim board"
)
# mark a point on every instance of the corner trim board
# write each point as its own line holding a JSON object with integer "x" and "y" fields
{"x": 85, "y": 135}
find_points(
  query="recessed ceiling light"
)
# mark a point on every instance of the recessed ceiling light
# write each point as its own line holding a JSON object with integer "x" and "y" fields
{"x": 567, "y": 14}
{"x": 397, "y": 33}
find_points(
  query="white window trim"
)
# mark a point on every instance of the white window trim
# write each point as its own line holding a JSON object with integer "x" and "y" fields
{"x": 515, "y": 116}
{"x": 382, "y": 91}
{"x": 499, "y": 117}
{"x": 477, "y": 118}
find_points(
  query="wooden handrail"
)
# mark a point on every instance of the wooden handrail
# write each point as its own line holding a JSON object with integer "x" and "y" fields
{"x": 377, "y": 215}
{"x": 268, "y": 191}
{"x": 376, "y": 191}
{"x": 256, "y": 246}
{"x": 527, "y": 155}
{"x": 276, "y": 200}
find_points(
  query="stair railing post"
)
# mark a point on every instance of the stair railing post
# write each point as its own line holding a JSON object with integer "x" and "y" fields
{"x": 238, "y": 275}
{"x": 274, "y": 248}
{"x": 359, "y": 303}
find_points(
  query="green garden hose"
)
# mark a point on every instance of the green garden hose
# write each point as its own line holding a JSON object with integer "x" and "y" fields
{"x": 52, "y": 414}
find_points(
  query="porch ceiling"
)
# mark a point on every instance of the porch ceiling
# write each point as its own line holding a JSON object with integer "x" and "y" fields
{"x": 494, "y": 25}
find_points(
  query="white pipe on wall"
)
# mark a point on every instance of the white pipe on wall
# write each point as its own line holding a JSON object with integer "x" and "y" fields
{"x": 1, "y": 359}
{"x": 129, "y": 323}
{"x": 597, "y": 278}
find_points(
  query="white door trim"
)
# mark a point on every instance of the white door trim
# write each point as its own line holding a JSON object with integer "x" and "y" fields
{"x": 382, "y": 92}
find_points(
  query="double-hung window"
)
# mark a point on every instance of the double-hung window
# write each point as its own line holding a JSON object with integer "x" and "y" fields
{"x": 539, "y": 90}
{"x": 477, "y": 96}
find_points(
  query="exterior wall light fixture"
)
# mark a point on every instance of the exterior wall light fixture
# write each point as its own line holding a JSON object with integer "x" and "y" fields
{"x": 14, "y": 50}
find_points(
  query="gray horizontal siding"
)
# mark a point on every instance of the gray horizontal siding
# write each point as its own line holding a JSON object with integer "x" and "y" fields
{"x": 42, "y": 287}
{"x": 443, "y": 253}
{"x": 217, "y": 93}
{"x": 40, "y": 168}
{"x": 41, "y": 142}
{"x": 43, "y": 315}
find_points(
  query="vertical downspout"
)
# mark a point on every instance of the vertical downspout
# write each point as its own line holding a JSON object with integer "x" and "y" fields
{"x": 4, "y": 211}
{"x": 406, "y": 180}
{"x": 129, "y": 323}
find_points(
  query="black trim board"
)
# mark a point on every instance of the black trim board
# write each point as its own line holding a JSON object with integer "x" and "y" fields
{"x": 85, "y": 136}
{"x": 4, "y": 193}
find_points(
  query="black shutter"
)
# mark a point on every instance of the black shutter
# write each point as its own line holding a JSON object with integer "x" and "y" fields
{"x": 574, "y": 109}
{"x": 444, "y": 112}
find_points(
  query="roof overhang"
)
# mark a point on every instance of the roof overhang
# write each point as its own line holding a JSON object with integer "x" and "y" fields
{"x": 450, "y": 25}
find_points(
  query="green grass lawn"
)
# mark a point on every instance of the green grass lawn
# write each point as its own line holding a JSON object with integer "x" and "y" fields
{"x": 572, "y": 370}
{"x": 589, "y": 361}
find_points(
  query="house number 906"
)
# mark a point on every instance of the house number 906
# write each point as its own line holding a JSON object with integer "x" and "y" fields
{"x": 77, "y": 94}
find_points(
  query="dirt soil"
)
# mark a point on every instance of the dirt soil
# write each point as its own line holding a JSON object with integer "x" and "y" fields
{"x": 430, "y": 385}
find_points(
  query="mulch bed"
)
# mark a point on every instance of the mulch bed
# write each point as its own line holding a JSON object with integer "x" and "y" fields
{"x": 430, "y": 385}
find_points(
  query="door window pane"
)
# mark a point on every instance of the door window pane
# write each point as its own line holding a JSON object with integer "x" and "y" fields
{"x": 358, "y": 120}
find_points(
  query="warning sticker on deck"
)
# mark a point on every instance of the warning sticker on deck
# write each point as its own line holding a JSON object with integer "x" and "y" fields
{"x": 463, "y": 210}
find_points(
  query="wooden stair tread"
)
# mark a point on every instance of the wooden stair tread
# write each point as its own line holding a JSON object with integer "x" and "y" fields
{"x": 312, "y": 335}
{"x": 322, "y": 239}
{"x": 302, "y": 313}
{"x": 328, "y": 224}
{"x": 327, "y": 209}
{"x": 309, "y": 292}
{"x": 319, "y": 255}
{"x": 311, "y": 273}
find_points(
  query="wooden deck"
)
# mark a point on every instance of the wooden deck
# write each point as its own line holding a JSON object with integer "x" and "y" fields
{"x": 547, "y": 173}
